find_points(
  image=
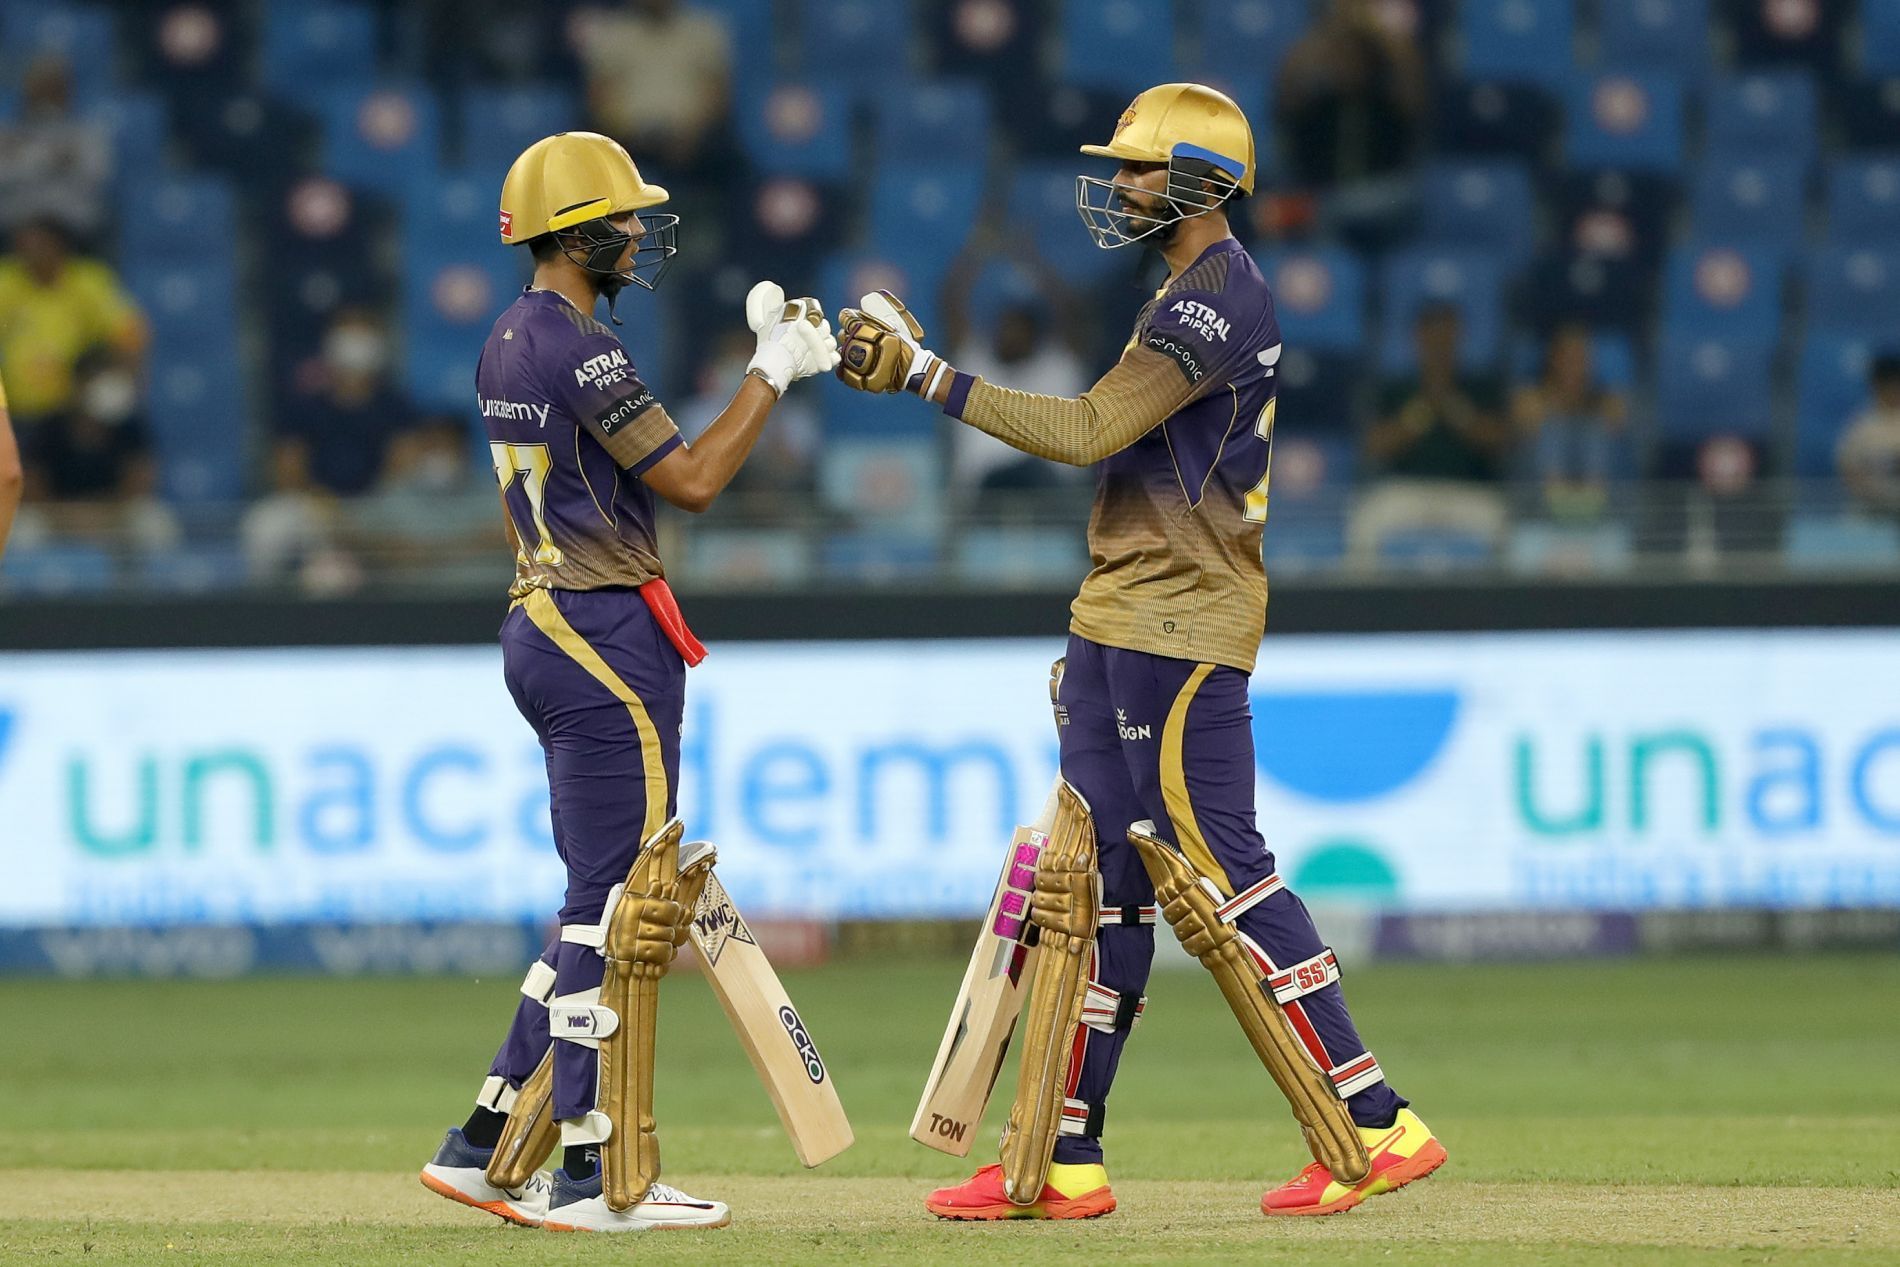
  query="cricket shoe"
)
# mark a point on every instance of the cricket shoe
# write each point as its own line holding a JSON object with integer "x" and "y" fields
{"x": 577, "y": 1205}
{"x": 1401, "y": 1152}
{"x": 459, "y": 1172}
{"x": 1072, "y": 1192}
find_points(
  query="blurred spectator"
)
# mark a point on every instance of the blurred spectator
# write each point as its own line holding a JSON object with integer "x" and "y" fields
{"x": 434, "y": 519}
{"x": 778, "y": 479}
{"x": 290, "y": 533}
{"x": 658, "y": 78}
{"x": 1024, "y": 353}
{"x": 1869, "y": 453}
{"x": 1349, "y": 104}
{"x": 1438, "y": 446}
{"x": 1569, "y": 427}
{"x": 52, "y": 163}
{"x": 346, "y": 425}
{"x": 94, "y": 459}
{"x": 54, "y": 309}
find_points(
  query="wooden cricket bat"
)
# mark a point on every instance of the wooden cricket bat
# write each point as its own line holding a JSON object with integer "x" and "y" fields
{"x": 984, "y": 1015}
{"x": 769, "y": 1027}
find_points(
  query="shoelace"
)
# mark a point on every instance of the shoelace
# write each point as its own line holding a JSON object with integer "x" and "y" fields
{"x": 538, "y": 1184}
{"x": 661, "y": 1192}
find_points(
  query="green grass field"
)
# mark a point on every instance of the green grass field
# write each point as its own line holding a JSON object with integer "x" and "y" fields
{"x": 1679, "y": 1111}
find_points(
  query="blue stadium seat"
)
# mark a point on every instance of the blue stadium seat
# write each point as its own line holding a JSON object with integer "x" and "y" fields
{"x": 1317, "y": 392}
{"x": 1598, "y": 290}
{"x": 1436, "y": 551}
{"x": 863, "y": 43}
{"x": 189, "y": 301}
{"x": 935, "y": 120}
{"x": 197, "y": 413}
{"x": 1869, "y": 111}
{"x": 1489, "y": 116}
{"x": 1042, "y": 203}
{"x": 1319, "y": 295}
{"x": 1830, "y": 390}
{"x": 891, "y": 481}
{"x": 1126, "y": 45}
{"x": 878, "y": 557}
{"x": 180, "y": 220}
{"x": 1611, "y": 350}
{"x": 310, "y": 45}
{"x": 1570, "y": 550}
{"x": 1880, "y": 37}
{"x": 139, "y": 127}
{"x": 1633, "y": 122}
{"x": 748, "y": 557}
{"x": 1239, "y": 41}
{"x": 193, "y": 569}
{"x": 1488, "y": 204}
{"x": 1470, "y": 280}
{"x": 1655, "y": 35}
{"x": 501, "y": 120}
{"x": 1863, "y": 201}
{"x": 799, "y": 129}
{"x": 1752, "y": 201}
{"x": 922, "y": 213}
{"x": 456, "y": 279}
{"x": 1842, "y": 543}
{"x": 83, "y": 34}
{"x": 1028, "y": 556}
{"x": 1853, "y": 290}
{"x": 57, "y": 568}
{"x": 1770, "y": 112}
{"x": 1721, "y": 290}
{"x": 1519, "y": 41}
{"x": 379, "y": 136}
{"x": 1707, "y": 386}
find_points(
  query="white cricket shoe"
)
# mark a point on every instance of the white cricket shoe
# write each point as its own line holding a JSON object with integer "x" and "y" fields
{"x": 459, "y": 1172}
{"x": 576, "y": 1205}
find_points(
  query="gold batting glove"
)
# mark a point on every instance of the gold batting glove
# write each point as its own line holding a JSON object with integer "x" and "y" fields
{"x": 880, "y": 348}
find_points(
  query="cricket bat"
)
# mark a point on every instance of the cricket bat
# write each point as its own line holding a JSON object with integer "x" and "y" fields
{"x": 769, "y": 1027}
{"x": 984, "y": 1015}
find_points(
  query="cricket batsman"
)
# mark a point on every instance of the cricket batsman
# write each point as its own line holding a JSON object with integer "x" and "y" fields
{"x": 595, "y": 652}
{"x": 1154, "y": 812}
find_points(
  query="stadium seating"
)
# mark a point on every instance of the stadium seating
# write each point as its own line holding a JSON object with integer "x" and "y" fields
{"x": 1487, "y": 204}
{"x": 1863, "y": 201}
{"x": 863, "y": 42}
{"x": 1629, "y": 121}
{"x": 1721, "y": 289}
{"x": 934, "y": 120}
{"x": 1669, "y": 36}
{"x": 801, "y": 129}
{"x": 179, "y": 215}
{"x": 1244, "y": 41}
{"x": 924, "y": 211}
{"x": 1766, "y": 113}
{"x": 1119, "y": 45}
{"x": 1041, "y": 205}
{"x": 1488, "y": 116}
{"x": 83, "y": 34}
{"x": 1319, "y": 297}
{"x": 1470, "y": 280}
{"x": 1519, "y": 41}
{"x": 310, "y": 45}
{"x": 1854, "y": 290}
{"x": 456, "y": 279}
{"x": 1755, "y": 202}
{"x": 384, "y": 137}
{"x": 501, "y": 120}
{"x": 1708, "y": 386}
{"x": 1831, "y": 388}
{"x": 1879, "y": 38}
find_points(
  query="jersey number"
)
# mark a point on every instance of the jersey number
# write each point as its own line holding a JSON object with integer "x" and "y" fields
{"x": 1256, "y": 510}
{"x": 532, "y": 462}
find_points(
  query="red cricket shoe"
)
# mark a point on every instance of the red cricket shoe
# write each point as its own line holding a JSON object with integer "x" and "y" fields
{"x": 1072, "y": 1192}
{"x": 1400, "y": 1153}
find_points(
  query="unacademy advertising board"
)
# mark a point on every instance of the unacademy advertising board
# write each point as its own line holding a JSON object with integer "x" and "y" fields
{"x": 1462, "y": 772}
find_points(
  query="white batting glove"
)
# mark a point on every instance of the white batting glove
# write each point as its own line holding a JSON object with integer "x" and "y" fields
{"x": 795, "y": 340}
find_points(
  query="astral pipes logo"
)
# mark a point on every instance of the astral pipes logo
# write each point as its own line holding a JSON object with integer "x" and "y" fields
{"x": 1349, "y": 747}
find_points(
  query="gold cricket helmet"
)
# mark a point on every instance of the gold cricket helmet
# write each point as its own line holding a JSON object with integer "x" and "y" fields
{"x": 1191, "y": 121}
{"x": 568, "y": 178}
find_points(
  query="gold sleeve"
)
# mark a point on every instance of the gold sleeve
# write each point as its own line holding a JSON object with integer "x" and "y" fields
{"x": 1132, "y": 399}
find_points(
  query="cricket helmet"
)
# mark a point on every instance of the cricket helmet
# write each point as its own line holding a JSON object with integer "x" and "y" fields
{"x": 1202, "y": 137}
{"x": 570, "y": 184}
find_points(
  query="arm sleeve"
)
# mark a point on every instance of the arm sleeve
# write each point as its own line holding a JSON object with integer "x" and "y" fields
{"x": 1168, "y": 364}
{"x": 599, "y": 387}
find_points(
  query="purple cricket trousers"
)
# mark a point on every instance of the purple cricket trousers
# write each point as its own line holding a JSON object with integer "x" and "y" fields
{"x": 1171, "y": 741}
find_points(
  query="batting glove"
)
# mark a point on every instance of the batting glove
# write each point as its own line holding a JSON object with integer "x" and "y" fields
{"x": 795, "y": 340}
{"x": 881, "y": 348}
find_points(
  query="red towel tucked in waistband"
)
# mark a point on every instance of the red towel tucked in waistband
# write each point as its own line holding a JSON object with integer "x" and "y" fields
{"x": 666, "y": 611}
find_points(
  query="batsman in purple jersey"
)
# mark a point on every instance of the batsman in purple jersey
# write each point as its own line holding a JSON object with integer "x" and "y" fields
{"x": 594, "y": 650}
{"x": 1152, "y": 694}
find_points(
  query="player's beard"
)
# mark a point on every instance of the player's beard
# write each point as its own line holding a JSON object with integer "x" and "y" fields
{"x": 1165, "y": 211}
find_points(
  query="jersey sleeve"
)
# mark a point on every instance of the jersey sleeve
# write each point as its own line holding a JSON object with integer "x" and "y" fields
{"x": 597, "y": 385}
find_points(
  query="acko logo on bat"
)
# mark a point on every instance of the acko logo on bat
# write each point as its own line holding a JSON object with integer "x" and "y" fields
{"x": 807, "y": 1050}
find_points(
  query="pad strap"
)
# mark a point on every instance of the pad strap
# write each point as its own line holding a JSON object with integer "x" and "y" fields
{"x": 1304, "y": 977}
{"x": 1356, "y": 1075}
{"x": 539, "y": 983}
{"x": 1128, "y": 916}
{"x": 1108, "y": 1011}
{"x": 496, "y": 1095}
{"x": 594, "y": 935}
{"x": 1080, "y": 1118}
{"x": 581, "y": 1018}
{"x": 1248, "y": 898}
